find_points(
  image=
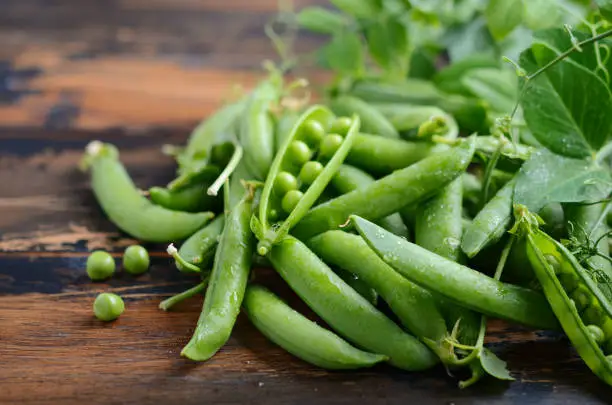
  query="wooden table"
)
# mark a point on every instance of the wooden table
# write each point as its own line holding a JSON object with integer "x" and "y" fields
{"x": 142, "y": 73}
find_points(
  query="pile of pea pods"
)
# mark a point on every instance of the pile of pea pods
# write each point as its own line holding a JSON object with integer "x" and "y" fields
{"x": 373, "y": 214}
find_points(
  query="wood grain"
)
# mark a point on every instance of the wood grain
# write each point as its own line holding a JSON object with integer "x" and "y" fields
{"x": 141, "y": 74}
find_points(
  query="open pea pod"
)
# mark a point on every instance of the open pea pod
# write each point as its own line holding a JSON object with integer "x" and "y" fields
{"x": 303, "y": 167}
{"x": 581, "y": 308}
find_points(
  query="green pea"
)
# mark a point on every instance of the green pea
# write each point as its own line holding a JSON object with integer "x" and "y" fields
{"x": 285, "y": 182}
{"x": 100, "y": 265}
{"x": 221, "y": 154}
{"x": 136, "y": 259}
{"x": 596, "y": 333}
{"x": 273, "y": 215}
{"x": 299, "y": 152}
{"x": 330, "y": 144}
{"x": 310, "y": 171}
{"x": 291, "y": 200}
{"x": 108, "y": 306}
{"x": 553, "y": 262}
{"x": 312, "y": 131}
{"x": 341, "y": 125}
{"x": 582, "y": 297}
{"x": 569, "y": 281}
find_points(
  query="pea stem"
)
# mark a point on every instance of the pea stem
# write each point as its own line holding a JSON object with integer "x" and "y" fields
{"x": 488, "y": 175}
{"x": 227, "y": 171}
{"x": 175, "y": 299}
{"x": 173, "y": 251}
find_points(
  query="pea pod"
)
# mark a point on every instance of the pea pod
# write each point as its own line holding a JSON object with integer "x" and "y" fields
{"x": 357, "y": 284}
{"x": 300, "y": 336}
{"x": 284, "y": 126}
{"x": 228, "y": 281}
{"x": 371, "y": 119}
{"x": 415, "y": 307}
{"x": 405, "y": 117}
{"x": 293, "y": 170}
{"x": 125, "y": 205}
{"x": 490, "y": 223}
{"x": 256, "y": 132}
{"x": 350, "y": 178}
{"x": 471, "y": 114}
{"x": 456, "y": 282}
{"x": 577, "y": 302}
{"x": 343, "y": 309}
{"x": 189, "y": 199}
{"x": 389, "y": 194}
{"x": 199, "y": 248}
{"x": 381, "y": 156}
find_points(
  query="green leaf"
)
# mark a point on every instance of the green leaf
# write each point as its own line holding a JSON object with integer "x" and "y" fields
{"x": 496, "y": 86}
{"x": 605, "y": 7}
{"x": 388, "y": 45}
{"x": 547, "y": 178}
{"x": 494, "y": 366}
{"x": 467, "y": 39}
{"x": 541, "y": 14}
{"x": 503, "y": 16}
{"x": 359, "y": 8}
{"x": 567, "y": 108}
{"x": 319, "y": 19}
{"x": 345, "y": 53}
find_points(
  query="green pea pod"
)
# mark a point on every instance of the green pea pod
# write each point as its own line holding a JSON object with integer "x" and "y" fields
{"x": 491, "y": 222}
{"x": 190, "y": 199}
{"x": 289, "y": 174}
{"x": 358, "y": 285}
{"x": 405, "y": 117}
{"x": 344, "y": 310}
{"x": 199, "y": 248}
{"x": 350, "y": 178}
{"x": 583, "y": 311}
{"x": 470, "y": 114}
{"x": 584, "y": 225}
{"x": 381, "y": 156}
{"x": 215, "y": 129}
{"x": 456, "y": 282}
{"x": 372, "y": 120}
{"x": 283, "y": 127}
{"x": 228, "y": 281}
{"x": 256, "y": 132}
{"x": 300, "y": 336}
{"x": 389, "y": 194}
{"x": 125, "y": 205}
{"x": 415, "y": 307}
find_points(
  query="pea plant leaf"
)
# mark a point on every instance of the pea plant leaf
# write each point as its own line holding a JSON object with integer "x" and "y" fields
{"x": 359, "y": 8}
{"x": 344, "y": 53}
{"x": 467, "y": 39}
{"x": 605, "y": 8}
{"x": 388, "y": 44}
{"x": 494, "y": 366}
{"x": 541, "y": 14}
{"x": 567, "y": 107}
{"x": 503, "y": 16}
{"x": 547, "y": 177}
{"x": 321, "y": 20}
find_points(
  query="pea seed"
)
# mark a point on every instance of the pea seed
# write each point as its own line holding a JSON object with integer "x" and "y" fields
{"x": 330, "y": 144}
{"x": 285, "y": 182}
{"x": 136, "y": 259}
{"x": 108, "y": 306}
{"x": 299, "y": 153}
{"x": 569, "y": 281}
{"x": 273, "y": 215}
{"x": 341, "y": 125}
{"x": 553, "y": 262}
{"x": 291, "y": 200}
{"x": 310, "y": 171}
{"x": 596, "y": 333}
{"x": 313, "y": 131}
{"x": 100, "y": 265}
{"x": 582, "y": 297}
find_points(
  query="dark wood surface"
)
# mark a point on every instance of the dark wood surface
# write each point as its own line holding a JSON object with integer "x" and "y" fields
{"x": 141, "y": 73}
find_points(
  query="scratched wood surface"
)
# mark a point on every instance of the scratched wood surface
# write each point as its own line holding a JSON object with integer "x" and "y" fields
{"x": 141, "y": 73}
